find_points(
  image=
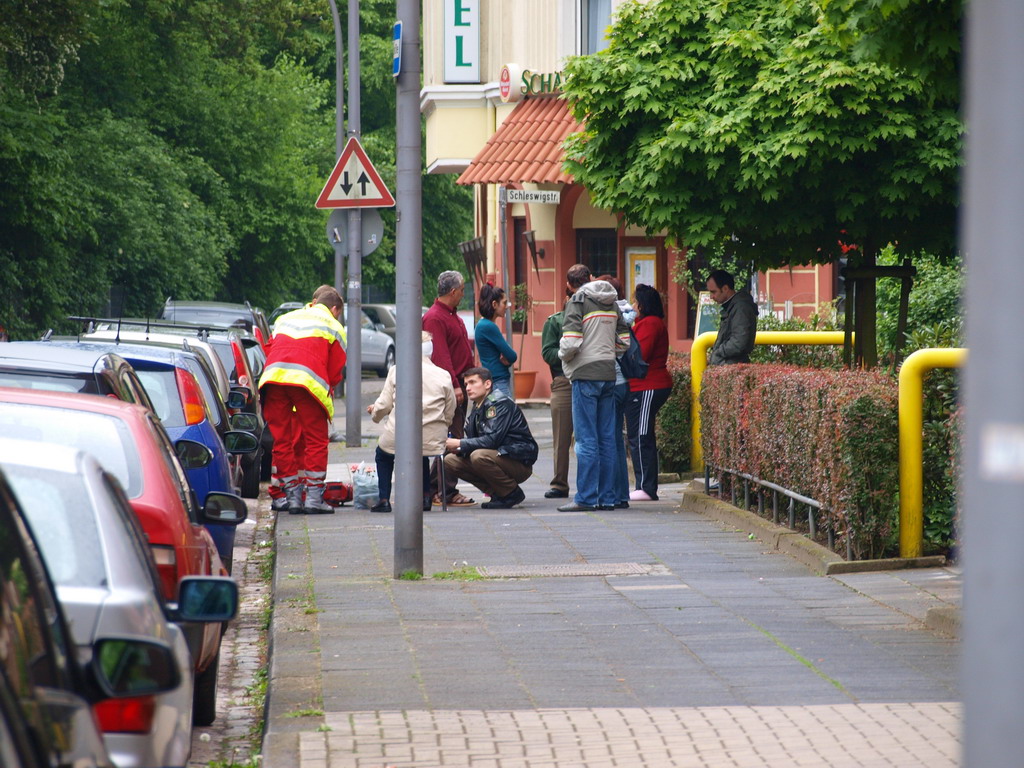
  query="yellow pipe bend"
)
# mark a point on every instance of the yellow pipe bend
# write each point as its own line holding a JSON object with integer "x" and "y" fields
{"x": 911, "y": 426}
{"x": 699, "y": 362}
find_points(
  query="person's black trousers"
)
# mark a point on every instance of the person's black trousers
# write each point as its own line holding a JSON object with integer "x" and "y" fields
{"x": 386, "y": 470}
{"x": 641, "y": 411}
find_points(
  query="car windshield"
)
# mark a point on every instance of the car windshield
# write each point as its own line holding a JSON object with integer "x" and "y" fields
{"x": 47, "y": 380}
{"x": 64, "y": 526}
{"x": 162, "y": 387}
{"x": 105, "y": 437}
{"x": 209, "y": 316}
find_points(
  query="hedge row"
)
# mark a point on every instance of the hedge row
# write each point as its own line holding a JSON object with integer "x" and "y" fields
{"x": 673, "y": 429}
{"x": 831, "y": 435}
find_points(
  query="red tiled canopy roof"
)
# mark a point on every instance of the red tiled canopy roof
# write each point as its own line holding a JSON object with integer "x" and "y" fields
{"x": 527, "y": 147}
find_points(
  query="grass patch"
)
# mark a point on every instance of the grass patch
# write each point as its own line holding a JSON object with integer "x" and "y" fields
{"x": 411, "y": 575}
{"x": 466, "y": 573}
{"x": 305, "y": 713}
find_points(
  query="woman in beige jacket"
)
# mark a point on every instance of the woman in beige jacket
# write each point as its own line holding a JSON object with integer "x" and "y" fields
{"x": 438, "y": 410}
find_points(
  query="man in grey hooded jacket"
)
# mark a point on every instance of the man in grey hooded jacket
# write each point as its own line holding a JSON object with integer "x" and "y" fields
{"x": 593, "y": 335}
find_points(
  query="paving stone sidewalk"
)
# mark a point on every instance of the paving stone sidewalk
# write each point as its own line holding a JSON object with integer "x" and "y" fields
{"x": 681, "y": 642}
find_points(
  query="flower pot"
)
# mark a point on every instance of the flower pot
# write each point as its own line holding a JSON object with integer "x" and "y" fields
{"x": 524, "y": 383}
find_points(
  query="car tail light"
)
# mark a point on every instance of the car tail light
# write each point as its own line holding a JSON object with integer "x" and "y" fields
{"x": 167, "y": 566}
{"x": 191, "y": 397}
{"x": 259, "y": 336}
{"x": 240, "y": 363}
{"x": 133, "y": 715}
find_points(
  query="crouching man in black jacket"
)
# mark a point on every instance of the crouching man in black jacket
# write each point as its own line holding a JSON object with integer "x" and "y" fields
{"x": 498, "y": 451}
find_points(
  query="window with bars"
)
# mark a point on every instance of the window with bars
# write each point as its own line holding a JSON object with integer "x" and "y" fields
{"x": 598, "y": 249}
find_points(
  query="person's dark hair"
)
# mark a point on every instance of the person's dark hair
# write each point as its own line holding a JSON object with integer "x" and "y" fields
{"x": 648, "y": 301}
{"x": 723, "y": 279}
{"x": 483, "y": 373}
{"x": 449, "y": 281}
{"x": 614, "y": 282}
{"x": 578, "y": 276}
{"x": 488, "y": 295}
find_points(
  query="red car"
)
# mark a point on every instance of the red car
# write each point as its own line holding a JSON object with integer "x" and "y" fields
{"x": 131, "y": 444}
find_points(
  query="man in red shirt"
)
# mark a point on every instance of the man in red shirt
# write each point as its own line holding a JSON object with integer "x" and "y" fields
{"x": 453, "y": 353}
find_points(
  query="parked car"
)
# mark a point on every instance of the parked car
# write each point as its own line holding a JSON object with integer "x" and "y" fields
{"x": 386, "y": 315}
{"x": 224, "y": 314}
{"x": 283, "y": 309}
{"x": 34, "y": 365}
{"x": 46, "y": 692}
{"x": 107, "y": 584}
{"x": 205, "y": 365}
{"x": 378, "y": 348}
{"x": 185, "y": 412}
{"x": 131, "y": 444}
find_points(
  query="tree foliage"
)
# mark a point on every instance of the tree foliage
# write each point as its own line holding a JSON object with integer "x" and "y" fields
{"x": 769, "y": 127}
{"x": 176, "y": 148}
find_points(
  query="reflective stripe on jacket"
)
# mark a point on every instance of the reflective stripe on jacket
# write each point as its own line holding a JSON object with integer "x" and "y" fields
{"x": 307, "y": 351}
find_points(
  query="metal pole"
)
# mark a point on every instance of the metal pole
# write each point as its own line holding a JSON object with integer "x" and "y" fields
{"x": 408, "y": 507}
{"x": 339, "y": 129}
{"x": 354, "y": 362}
{"x": 502, "y": 218}
{"x": 993, "y": 661}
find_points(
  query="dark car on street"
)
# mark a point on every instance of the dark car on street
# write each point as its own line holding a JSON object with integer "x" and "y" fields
{"x": 219, "y": 313}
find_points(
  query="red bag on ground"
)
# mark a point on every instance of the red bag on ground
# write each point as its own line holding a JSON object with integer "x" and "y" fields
{"x": 337, "y": 493}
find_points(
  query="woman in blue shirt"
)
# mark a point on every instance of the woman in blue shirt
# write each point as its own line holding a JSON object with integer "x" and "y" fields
{"x": 495, "y": 353}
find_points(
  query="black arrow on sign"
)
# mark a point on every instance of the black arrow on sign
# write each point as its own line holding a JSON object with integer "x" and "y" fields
{"x": 345, "y": 186}
{"x": 362, "y": 181}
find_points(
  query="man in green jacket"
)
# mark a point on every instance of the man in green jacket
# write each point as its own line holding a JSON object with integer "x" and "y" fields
{"x": 561, "y": 405}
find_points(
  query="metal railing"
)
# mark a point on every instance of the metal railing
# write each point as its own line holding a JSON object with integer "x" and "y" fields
{"x": 794, "y": 499}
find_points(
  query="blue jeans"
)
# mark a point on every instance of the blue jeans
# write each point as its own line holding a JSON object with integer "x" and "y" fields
{"x": 593, "y": 421}
{"x": 503, "y": 385}
{"x": 621, "y": 470}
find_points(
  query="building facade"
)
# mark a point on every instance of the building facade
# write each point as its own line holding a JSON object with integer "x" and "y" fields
{"x": 490, "y": 99}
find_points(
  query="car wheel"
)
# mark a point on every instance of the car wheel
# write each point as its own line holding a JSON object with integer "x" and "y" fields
{"x": 251, "y": 477}
{"x": 389, "y": 362}
{"x": 204, "y": 696}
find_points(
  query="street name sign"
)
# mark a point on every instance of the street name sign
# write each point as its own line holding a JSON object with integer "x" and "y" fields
{"x": 533, "y": 196}
{"x": 354, "y": 182}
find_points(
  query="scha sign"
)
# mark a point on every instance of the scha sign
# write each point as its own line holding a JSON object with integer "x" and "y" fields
{"x": 514, "y": 83}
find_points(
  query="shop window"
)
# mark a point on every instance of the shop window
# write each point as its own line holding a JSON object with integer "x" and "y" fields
{"x": 598, "y": 249}
{"x": 595, "y": 17}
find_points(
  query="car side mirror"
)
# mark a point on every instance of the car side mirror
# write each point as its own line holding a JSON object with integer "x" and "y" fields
{"x": 224, "y": 508}
{"x": 236, "y": 441}
{"x": 247, "y": 422}
{"x": 192, "y": 455}
{"x": 380, "y": 327}
{"x": 238, "y": 398}
{"x": 130, "y": 667}
{"x": 206, "y": 599}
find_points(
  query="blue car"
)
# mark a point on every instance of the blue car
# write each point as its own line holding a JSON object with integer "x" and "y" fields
{"x": 187, "y": 410}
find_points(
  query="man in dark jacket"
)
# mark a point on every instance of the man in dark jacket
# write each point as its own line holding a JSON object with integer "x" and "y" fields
{"x": 561, "y": 405}
{"x": 498, "y": 451}
{"x": 736, "y": 332}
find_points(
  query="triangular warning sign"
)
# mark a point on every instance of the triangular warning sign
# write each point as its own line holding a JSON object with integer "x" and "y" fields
{"x": 354, "y": 182}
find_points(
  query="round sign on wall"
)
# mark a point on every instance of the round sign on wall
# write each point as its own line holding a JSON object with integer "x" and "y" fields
{"x": 509, "y": 85}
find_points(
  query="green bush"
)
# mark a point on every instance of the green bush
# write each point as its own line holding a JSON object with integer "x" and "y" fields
{"x": 830, "y": 435}
{"x": 674, "y": 430}
{"x": 805, "y": 355}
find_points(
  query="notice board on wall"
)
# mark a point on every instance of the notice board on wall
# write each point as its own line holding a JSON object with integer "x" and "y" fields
{"x": 708, "y": 314}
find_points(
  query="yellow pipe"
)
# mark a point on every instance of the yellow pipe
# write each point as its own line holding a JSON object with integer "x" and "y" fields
{"x": 911, "y": 421}
{"x": 699, "y": 361}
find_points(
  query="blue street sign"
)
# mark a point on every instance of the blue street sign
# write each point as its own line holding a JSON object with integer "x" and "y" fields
{"x": 396, "y": 38}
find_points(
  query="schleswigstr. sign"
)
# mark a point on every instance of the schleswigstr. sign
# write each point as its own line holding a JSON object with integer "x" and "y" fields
{"x": 533, "y": 196}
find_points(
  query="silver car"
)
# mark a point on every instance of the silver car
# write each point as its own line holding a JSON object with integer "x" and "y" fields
{"x": 107, "y": 584}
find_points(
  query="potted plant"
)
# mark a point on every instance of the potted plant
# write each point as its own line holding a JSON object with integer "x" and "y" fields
{"x": 522, "y": 302}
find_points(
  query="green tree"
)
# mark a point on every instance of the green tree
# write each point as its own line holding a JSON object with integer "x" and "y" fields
{"x": 756, "y": 127}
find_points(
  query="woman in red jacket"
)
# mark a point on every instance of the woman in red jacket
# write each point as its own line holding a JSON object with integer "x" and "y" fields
{"x": 647, "y": 395}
